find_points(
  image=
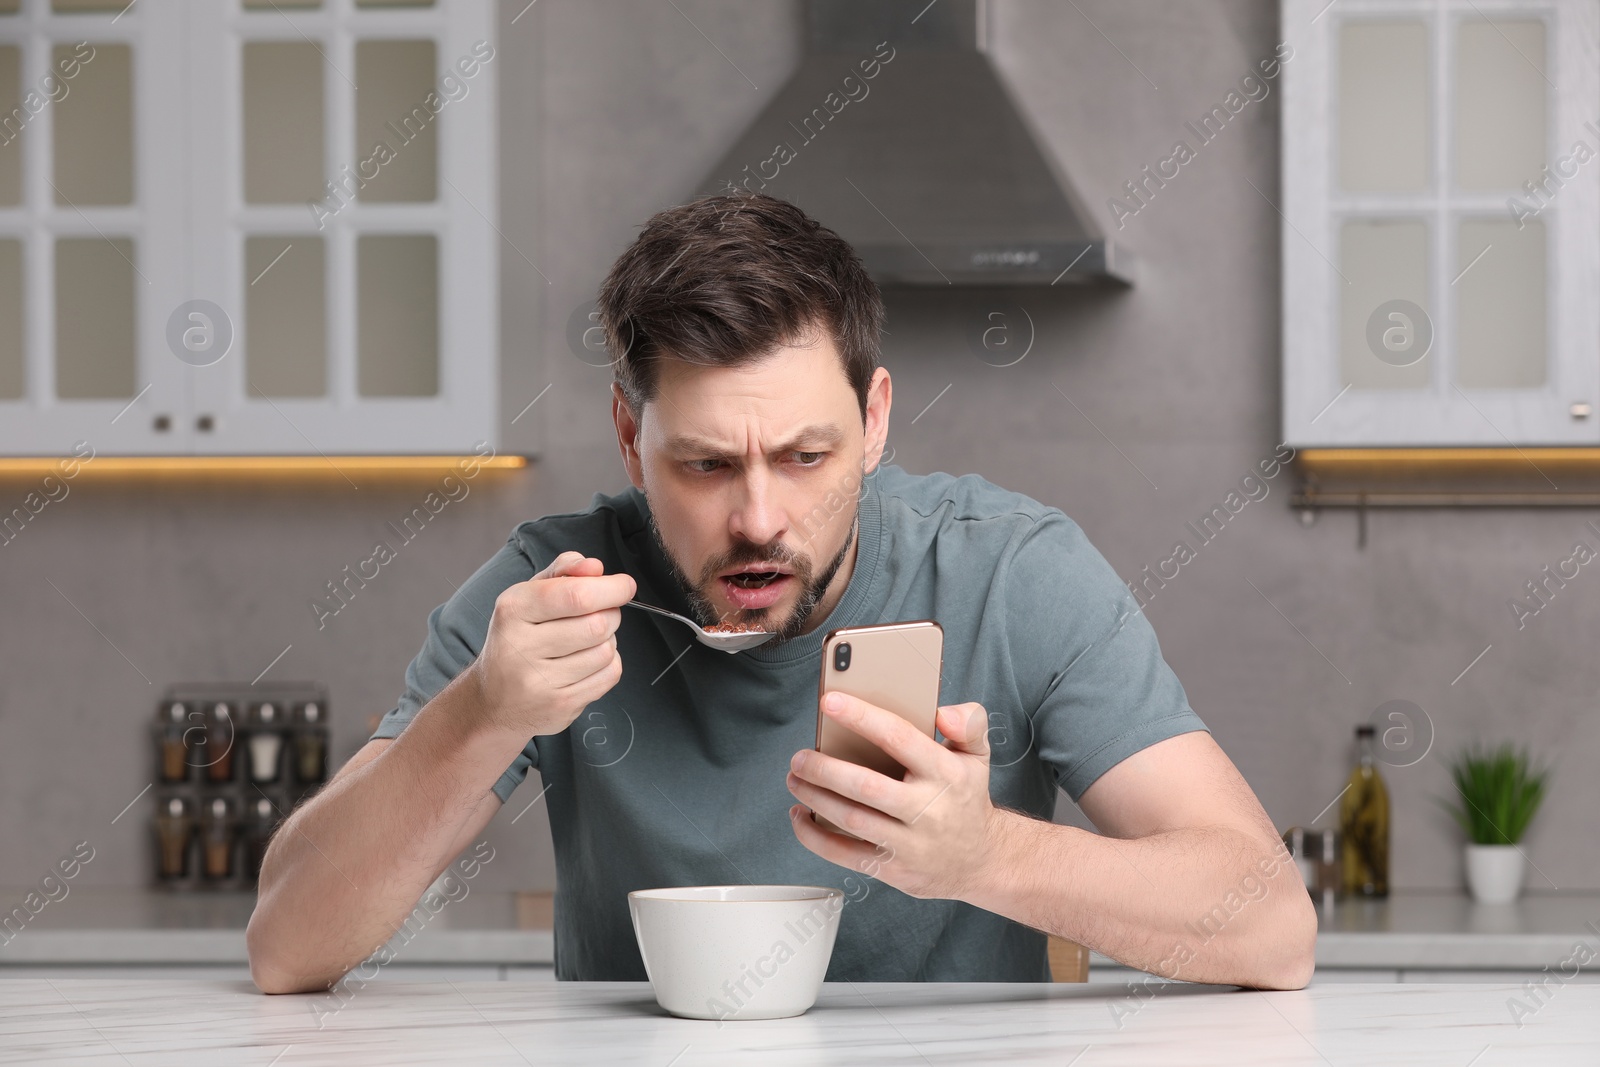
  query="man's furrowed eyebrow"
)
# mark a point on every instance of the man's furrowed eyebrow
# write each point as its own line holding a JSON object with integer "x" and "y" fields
{"x": 820, "y": 434}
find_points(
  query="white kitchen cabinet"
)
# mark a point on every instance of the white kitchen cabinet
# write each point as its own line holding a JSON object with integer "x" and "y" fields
{"x": 1441, "y": 238}
{"x": 212, "y": 243}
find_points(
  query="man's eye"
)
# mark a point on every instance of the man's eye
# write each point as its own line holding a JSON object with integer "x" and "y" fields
{"x": 694, "y": 465}
{"x": 809, "y": 459}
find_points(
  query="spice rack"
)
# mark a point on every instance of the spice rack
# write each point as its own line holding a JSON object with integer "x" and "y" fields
{"x": 231, "y": 761}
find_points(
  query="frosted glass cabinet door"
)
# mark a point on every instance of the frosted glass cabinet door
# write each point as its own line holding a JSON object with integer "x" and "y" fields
{"x": 286, "y": 316}
{"x": 204, "y": 250}
{"x": 96, "y": 286}
{"x": 85, "y": 277}
{"x": 93, "y": 152}
{"x": 1502, "y": 264}
{"x": 1501, "y": 119}
{"x": 346, "y": 226}
{"x": 283, "y": 108}
{"x": 1503, "y": 339}
{"x": 1383, "y": 344}
{"x": 1384, "y": 106}
{"x": 11, "y": 127}
{"x": 12, "y": 373}
{"x": 1441, "y": 247}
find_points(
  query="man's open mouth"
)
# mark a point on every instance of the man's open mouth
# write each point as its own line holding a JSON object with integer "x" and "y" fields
{"x": 754, "y": 579}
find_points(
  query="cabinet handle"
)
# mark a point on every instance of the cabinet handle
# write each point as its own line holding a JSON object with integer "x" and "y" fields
{"x": 204, "y": 423}
{"x": 1581, "y": 409}
{"x": 162, "y": 423}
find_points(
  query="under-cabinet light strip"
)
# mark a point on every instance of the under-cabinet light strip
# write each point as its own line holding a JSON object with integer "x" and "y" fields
{"x": 332, "y": 465}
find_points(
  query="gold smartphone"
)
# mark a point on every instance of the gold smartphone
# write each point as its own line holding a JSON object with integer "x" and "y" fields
{"x": 893, "y": 665}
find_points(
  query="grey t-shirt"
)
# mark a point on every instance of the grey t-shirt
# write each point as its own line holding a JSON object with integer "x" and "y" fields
{"x": 676, "y": 776}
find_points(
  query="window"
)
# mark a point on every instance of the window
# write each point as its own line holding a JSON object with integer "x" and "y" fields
{"x": 1441, "y": 258}
{"x": 247, "y": 226}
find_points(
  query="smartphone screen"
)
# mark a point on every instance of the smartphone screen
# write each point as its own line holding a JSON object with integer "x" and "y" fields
{"x": 893, "y": 665}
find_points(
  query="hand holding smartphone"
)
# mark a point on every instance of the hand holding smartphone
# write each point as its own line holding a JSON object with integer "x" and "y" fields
{"x": 893, "y": 665}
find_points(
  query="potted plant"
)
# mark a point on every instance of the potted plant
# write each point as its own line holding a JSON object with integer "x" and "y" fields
{"x": 1498, "y": 793}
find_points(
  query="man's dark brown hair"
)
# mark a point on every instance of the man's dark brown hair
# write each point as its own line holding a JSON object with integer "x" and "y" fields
{"x": 724, "y": 280}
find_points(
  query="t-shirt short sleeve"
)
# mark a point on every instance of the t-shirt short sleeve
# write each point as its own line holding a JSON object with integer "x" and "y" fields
{"x": 456, "y": 632}
{"x": 1087, "y": 660}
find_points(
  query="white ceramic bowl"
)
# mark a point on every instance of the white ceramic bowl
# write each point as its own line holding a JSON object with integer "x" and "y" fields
{"x": 736, "y": 951}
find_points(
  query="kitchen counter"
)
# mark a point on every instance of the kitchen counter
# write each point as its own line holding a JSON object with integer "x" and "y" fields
{"x": 101, "y": 927}
{"x": 496, "y": 1023}
{"x": 1448, "y": 930}
{"x": 110, "y": 927}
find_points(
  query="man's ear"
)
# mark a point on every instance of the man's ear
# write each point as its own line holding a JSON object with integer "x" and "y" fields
{"x": 880, "y": 394}
{"x": 627, "y": 425}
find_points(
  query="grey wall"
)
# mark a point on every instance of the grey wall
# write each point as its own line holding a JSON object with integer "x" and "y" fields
{"x": 610, "y": 112}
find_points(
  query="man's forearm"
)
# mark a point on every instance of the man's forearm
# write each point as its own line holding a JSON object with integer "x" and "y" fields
{"x": 344, "y": 870}
{"x": 1198, "y": 905}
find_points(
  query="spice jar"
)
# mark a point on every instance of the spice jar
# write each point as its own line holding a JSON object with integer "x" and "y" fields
{"x": 265, "y": 742}
{"x": 1316, "y": 855}
{"x": 172, "y": 742}
{"x": 216, "y": 839}
{"x": 174, "y": 828}
{"x": 310, "y": 743}
{"x": 219, "y": 743}
{"x": 258, "y": 831}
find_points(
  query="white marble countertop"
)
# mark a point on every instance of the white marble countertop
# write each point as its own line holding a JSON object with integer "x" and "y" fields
{"x": 173, "y": 1024}
{"x": 95, "y": 927}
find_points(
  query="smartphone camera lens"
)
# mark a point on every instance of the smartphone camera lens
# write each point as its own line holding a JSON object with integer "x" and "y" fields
{"x": 841, "y": 656}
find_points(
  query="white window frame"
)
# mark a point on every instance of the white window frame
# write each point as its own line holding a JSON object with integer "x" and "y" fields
{"x": 1318, "y": 409}
{"x": 190, "y": 222}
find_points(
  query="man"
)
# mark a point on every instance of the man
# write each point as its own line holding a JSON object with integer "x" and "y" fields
{"x": 751, "y": 417}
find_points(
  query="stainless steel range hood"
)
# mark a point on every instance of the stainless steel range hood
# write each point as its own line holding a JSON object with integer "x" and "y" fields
{"x": 898, "y": 133}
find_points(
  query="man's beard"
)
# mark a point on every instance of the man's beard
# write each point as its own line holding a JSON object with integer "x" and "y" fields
{"x": 812, "y": 587}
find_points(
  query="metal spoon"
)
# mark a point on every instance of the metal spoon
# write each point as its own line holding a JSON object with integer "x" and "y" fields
{"x": 722, "y": 642}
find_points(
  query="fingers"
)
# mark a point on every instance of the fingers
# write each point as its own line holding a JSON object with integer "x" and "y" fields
{"x": 574, "y": 667}
{"x": 914, "y": 750}
{"x": 869, "y": 825}
{"x": 604, "y": 669}
{"x": 835, "y": 848}
{"x": 568, "y": 596}
{"x": 572, "y": 585}
{"x": 571, "y": 563}
{"x": 854, "y": 782}
{"x": 965, "y": 728}
{"x": 562, "y": 637}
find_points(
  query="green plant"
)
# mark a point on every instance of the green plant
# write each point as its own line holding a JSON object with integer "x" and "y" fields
{"x": 1499, "y": 790}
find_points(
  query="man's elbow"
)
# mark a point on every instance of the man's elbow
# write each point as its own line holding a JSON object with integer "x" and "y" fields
{"x": 268, "y": 969}
{"x": 1291, "y": 957}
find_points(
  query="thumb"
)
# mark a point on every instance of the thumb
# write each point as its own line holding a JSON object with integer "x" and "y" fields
{"x": 965, "y": 727}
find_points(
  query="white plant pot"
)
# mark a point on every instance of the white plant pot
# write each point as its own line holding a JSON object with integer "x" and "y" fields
{"x": 1494, "y": 873}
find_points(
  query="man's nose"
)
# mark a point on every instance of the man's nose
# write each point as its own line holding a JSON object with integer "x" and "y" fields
{"x": 759, "y": 515}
